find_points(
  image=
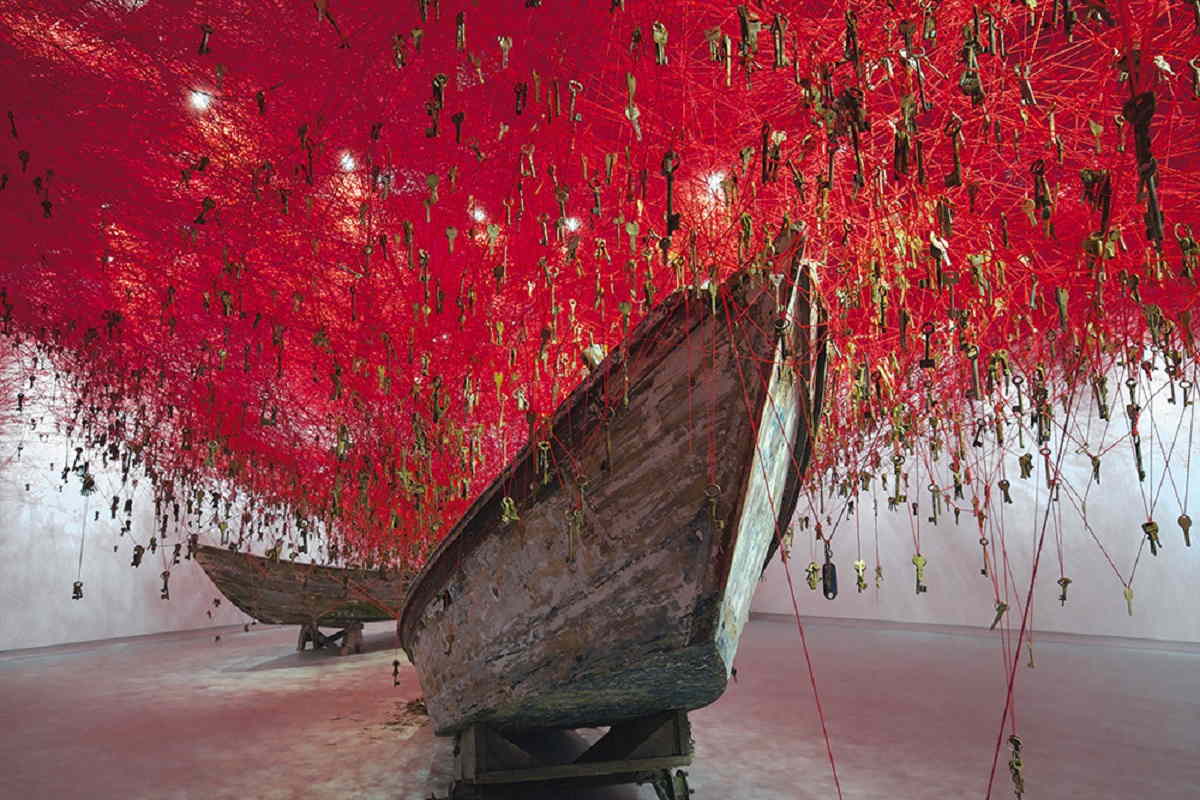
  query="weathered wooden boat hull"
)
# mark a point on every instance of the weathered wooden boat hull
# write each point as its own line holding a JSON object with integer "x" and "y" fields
{"x": 289, "y": 593}
{"x": 643, "y": 528}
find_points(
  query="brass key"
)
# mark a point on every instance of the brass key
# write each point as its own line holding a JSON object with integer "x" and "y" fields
{"x": 778, "y": 34}
{"x": 1151, "y": 530}
{"x": 658, "y": 32}
{"x": 860, "y": 568}
{"x": 813, "y": 571}
{"x": 574, "y": 87}
{"x": 1000, "y": 609}
{"x": 1025, "y": 462}
{"x": 631, "y": 110}
{"x": 952, "y": 130}
{"x": 919, "y": 561}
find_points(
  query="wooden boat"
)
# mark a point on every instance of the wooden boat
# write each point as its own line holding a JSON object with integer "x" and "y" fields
{"x": 607, "y": 573}
{"x": 310, "y": 595}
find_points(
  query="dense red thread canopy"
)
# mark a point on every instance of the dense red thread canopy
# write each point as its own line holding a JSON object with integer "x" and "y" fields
{"x": 343, "y": 255}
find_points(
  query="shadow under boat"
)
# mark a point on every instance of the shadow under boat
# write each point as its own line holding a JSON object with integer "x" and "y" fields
{"x": 607, "y": 573}
{"x": 373, "y": 642}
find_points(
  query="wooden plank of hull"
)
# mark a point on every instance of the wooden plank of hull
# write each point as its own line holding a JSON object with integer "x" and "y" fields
{"x": 771, "y": 486}
{"x": 525, "y": 625}
{"x": 287, "y": 593}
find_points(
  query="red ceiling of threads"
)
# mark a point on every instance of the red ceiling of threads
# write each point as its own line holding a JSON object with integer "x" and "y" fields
{"x": 216, "y": 217}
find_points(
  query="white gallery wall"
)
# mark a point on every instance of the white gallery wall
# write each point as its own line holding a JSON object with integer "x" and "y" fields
{"x": 43, "y": 520}
{"x": 1166, "y": 587}
{"x": 42, "y": 524}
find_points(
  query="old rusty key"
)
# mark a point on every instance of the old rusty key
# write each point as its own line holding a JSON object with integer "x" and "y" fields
{"x": 1185, "y": 523}
{"x": 926, "y": 361}
{"x": 670, "y": 163}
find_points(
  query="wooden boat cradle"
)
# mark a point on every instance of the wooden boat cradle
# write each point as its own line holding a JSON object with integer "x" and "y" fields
{"x": 494, "y": 765}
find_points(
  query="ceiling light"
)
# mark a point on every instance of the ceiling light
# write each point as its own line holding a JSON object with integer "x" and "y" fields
{"x": 200, "y": 100}
{"x": 714, "y": 182}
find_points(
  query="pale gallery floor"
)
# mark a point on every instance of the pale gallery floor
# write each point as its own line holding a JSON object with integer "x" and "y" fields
{"x": 912, "y": 712}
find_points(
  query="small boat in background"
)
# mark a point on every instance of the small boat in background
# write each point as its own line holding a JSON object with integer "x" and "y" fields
{"x": 309, "y": 595}
{"x": 607, "y": 573}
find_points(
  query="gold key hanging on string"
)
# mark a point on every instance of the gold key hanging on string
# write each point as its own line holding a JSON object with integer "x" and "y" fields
{"x": 813, "y": 574}
{"x": 919, "y": 561}
{"x": 1150, "y": 528}
{"x": 1063, "y": 583}
{"x": 574, "y": 530}
{"x": 713, "y": 493}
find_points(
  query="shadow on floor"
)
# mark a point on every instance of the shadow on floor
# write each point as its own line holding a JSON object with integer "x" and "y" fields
{"x": 372, "y": 643}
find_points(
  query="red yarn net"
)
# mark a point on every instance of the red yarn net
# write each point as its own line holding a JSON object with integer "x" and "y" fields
{"x": 342, "y": 256}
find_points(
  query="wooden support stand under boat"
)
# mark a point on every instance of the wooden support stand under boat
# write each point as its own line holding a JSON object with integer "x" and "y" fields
{"x": 351, "y": 637}
{"x": 606, "y": 574}
{"x": 497, "y": 765}
{"x": 309, "y": 595}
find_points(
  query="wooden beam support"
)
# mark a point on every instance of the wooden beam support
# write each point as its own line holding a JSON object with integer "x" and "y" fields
{"x": 641, "y": 750}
